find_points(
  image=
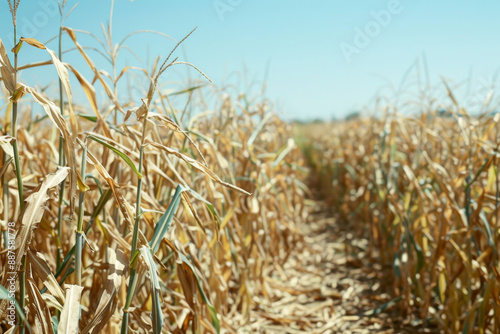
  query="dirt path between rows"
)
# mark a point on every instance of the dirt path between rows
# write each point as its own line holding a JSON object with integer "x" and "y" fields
{"x": 323, "y": 290}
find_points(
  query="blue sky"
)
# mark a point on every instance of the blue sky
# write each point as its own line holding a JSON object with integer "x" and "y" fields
{"x": 302, "y": 43}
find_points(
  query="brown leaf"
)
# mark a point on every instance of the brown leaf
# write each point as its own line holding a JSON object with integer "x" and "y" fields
{"x": 35, "y": 206}
{"x": 7, "y": 70}
{"x": 39, "y": 308}
{"x": 107, "y": 303}
{"x": 120, "y": 200}
{"x": 196, "y": 165}
{"x": 69, "y": 145}
{"x": 42, "y": 271}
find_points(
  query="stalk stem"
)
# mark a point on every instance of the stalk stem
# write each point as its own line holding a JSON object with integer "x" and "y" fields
{"x": 19, "y": 176}
{"x": 133, "y": 276}
{"x": 79, "y": 228}
{"x": 5, "y": 188}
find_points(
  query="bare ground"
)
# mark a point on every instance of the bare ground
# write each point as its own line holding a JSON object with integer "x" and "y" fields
{"x": 329, "y": 288}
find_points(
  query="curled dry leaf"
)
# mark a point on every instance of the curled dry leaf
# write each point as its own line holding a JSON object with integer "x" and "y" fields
{"x": 35, "y": 207}
{"x": 39, "y": 309}
{"x": 117, "y": 193}
{"x": 63, "y": 76}
{"x": 68, "y": 323}
{"x": 5, "y": 143}
{"x": 6, "y": 70}
{"x": 94, "y": 69}
{"x": 107, "y": 300}
{"x": 196, "y": 165}
{"x": 69, "y": 144}
{"x": 42, "y": 270}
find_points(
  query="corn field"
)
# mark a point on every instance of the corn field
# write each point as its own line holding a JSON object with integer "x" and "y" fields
{"x": 424, "y": 191}
{"x": 139, "y": 215}
{"x": 115, "y": 218}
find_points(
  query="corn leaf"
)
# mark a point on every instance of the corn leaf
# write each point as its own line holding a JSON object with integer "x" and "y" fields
{"x": 157, "y": 315}
{"x": 70, "y": 315}
{"x": 163, "y": 224}
{"x": 117, "y": 151}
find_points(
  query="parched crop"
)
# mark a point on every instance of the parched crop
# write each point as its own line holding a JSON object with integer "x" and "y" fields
{"x": 123, "y": 215}
{"x": 425, "y": 191}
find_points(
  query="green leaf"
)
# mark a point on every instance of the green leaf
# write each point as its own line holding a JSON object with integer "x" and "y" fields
{"x": 157, "y": 316}
{"x": 4, "y": 294}
{"x": 420, "y": 254}
{"x": 99, "y": 207}
{"x": 93, "y": 119}
{"x": 165, "y": 221}
{"x": 188, "y": 90}
{"x": 40, "y": 119}
{"x": 213, "y": 313}
{"x": 17, "y": 48}
{"x": 483, "y": 167}
{"x": 210, "y": 207}
{"x": 489, "y": 232}
{"x": 117, "y": 151}
{"x": 382, "y": 307}
{"x": 55, "y": 323}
